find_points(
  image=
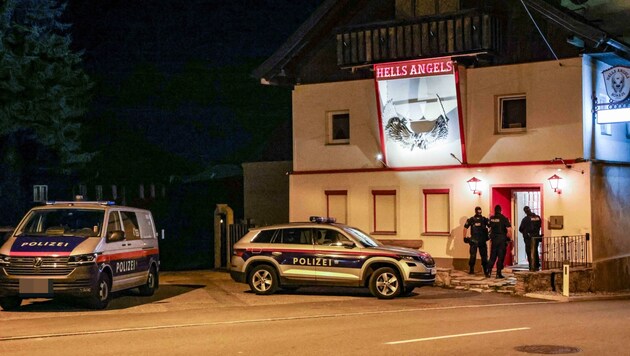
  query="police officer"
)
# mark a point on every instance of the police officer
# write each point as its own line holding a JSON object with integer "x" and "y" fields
{"x": 478, "y": 225}
{"x": 530, "y": 228}
{"x": 500, "y": 235}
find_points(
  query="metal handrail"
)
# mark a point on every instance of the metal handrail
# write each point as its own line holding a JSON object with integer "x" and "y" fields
{"x": 559, "y": 250}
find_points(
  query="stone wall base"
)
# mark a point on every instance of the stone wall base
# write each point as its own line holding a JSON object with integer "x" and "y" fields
{"x": 581, "y": 280}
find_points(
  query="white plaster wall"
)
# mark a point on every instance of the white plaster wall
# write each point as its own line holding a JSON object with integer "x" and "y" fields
{"x": 554, "y": 117}
{"x": 310, "y": 105}
{"x": 554, "y": 111}
{"x": 307, "y": 198}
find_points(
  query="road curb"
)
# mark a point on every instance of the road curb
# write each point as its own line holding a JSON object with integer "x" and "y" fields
{"x": 578, "y": 298}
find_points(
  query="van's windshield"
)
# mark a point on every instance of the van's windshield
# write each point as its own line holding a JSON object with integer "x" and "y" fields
{"x": 58, "y": 222}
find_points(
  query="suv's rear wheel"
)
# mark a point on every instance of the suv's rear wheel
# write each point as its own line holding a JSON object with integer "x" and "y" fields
{"x": 263, "y": 280}
{"x": 10, "y": 303}
{"x": 385, "y": 283}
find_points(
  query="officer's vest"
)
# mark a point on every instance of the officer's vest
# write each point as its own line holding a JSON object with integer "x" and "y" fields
{"x": 496, "y": 225}
{"x": 477, "y": 227}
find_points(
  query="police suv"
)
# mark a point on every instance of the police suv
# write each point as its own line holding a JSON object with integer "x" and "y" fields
{"x": 322, "y": 252}
{"x": 79, "y": 248}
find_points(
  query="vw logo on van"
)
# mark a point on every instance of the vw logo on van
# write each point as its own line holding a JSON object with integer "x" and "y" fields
{"x": 38, "y": 262}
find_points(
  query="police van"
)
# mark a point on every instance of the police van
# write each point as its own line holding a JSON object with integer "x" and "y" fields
{"x": 322, "y": 252}
{"x": 79, "y": 248}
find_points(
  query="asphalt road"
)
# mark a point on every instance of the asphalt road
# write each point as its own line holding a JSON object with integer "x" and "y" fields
{"x": 205, "y": 313}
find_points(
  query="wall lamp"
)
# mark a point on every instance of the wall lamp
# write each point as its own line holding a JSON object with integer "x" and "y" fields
{"x": 472, "y": 184}
{"x": 554, "y": 182}
{"x": 379, "y": 157}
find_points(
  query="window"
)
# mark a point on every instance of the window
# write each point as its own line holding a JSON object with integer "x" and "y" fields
{"x": 130, "y": 225}
{"x": 384, "y": 205}
{"x": 337, "y": 205}
{"x": 437, "y": 211}
{"x": 338, "y": 127}
{"x": 83, "y": 190}
{"x": 265, "y": 236}
{"x": 296, "y": 236}
{"x": 512, "y": 114}
{"x": 328, "y": 237}
{"x": 40, "y": 193}
{"x": 98, "y": 192}
{"x": 606, "y": 129}
{"x": 113, "y": 222}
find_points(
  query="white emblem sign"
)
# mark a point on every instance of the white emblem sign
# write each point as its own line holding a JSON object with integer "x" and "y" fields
{"x": 617, "y": 80}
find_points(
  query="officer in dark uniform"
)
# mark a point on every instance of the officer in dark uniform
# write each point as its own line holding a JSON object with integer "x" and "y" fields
{"x": 530, "y": 228}
{"x": 478, "y": 225}
{"x": 500, "y": 235}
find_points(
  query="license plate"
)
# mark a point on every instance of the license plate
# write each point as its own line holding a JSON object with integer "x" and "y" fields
{"x": 36, "y": 287}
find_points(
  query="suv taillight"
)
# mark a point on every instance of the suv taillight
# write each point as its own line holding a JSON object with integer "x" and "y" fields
{"x": 238, "y": 252}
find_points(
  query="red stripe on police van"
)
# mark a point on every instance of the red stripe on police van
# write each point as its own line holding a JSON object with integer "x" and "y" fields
{"x": 127, "y": 255}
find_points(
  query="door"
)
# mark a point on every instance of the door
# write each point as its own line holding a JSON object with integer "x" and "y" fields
{"x": 337, "y": 264}
{"x": 521, "y": 199}
{"x": 512, "y": 200}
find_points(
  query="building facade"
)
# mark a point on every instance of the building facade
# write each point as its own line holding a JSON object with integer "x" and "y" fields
{"x": 407, "y": 157}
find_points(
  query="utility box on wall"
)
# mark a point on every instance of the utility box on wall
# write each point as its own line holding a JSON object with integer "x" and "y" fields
{"x": 556, "y": 222}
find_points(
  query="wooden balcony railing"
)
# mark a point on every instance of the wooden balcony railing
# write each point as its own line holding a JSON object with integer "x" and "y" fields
{"x": 435, "y": 36}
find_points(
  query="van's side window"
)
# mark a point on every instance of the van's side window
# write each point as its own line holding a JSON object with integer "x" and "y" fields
{"x": 113, "y": 223}
{"x": 130, "y": 225}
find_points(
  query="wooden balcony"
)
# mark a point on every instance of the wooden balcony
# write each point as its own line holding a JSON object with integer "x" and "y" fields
{"x": 436, "y": 36}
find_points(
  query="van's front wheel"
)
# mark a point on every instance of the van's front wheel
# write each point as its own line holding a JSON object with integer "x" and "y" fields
{"x": 102, "y": 293}
{"x": 10, "y": 303}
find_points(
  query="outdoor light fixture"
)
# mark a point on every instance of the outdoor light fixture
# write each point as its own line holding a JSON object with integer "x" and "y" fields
{"x": 554, "y": 181}
{"x": 379, "y": 157}
{"x": 472, "y": 184}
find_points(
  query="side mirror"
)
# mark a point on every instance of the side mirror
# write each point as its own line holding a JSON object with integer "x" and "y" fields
{"x": 348, "y": 244}
{"x": 115, "y": 236}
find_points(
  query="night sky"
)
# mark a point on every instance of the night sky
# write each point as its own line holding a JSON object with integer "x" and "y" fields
{"x": 176, "y": 74}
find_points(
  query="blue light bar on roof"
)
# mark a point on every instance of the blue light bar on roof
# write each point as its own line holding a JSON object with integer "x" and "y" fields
{"x": 322, "y": 220}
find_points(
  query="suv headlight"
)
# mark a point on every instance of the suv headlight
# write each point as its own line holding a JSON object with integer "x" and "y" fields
{"x": 426, "y": 259}
{"x": 82, "y": 259}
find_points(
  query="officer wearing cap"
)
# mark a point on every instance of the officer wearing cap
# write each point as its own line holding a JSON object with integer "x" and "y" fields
{"x": 530, "y": 228}
{"x": 478, "y": 225}
{"x": 500, "y": 235}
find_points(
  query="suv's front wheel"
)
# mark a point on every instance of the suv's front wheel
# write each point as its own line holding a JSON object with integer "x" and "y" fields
{"x": 385, "y": 283}
{"x": 263, "y": 280}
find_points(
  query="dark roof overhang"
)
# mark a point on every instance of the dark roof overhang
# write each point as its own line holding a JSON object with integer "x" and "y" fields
{"x": 599, "y": 39}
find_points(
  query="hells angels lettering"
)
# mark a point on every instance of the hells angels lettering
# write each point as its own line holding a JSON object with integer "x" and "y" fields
{"x": 413, "y": 69}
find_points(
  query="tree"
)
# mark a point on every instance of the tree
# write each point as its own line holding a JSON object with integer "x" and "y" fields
{"x": 43, "y": 94}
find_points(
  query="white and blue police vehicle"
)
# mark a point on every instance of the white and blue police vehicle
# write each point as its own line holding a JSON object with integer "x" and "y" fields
{"x": 324, "y": 253}
{"x": 79, "y": 248}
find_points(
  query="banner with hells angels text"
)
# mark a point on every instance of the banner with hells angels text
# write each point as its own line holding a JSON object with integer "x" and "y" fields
{"x": 419, "y": 114}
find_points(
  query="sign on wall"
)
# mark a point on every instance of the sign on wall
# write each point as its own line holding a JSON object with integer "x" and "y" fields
{"x": 612, "y": 104}
{"x": 419, "y": 114}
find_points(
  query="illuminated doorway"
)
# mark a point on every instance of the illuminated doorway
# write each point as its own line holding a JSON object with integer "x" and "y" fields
{"x": 512, "y": 199}
{"x": 522, "y": 199}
